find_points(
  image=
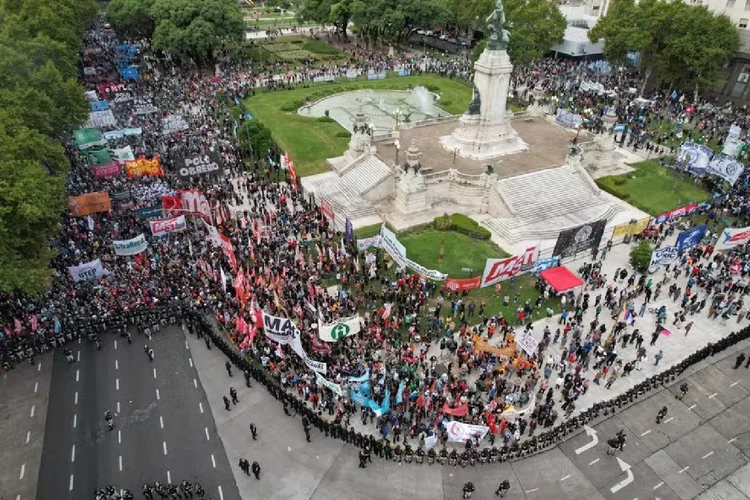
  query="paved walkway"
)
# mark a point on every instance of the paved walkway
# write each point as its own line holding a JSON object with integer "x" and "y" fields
{"x": 702, "y": 448}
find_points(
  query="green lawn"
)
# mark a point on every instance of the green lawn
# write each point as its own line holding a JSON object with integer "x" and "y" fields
{"x": 367, "y": 231}
{"x": 653, "y": 188}
{"x": 461, "y": 251}
{"x": 310, "y": 141}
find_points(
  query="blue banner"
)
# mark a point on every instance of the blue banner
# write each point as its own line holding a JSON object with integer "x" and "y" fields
{"x": 349, "y": 233}
{"x": 130, "y": 73}
{"x": 376, "y": 76}
{"x": 404, "y": 72}
{"x": 619, "y": 127}
{"x": 400, "y": 395}
{"x": 154, "y": 211}
{"x": 99, "y": 106}
{"x": 689, "y": 239}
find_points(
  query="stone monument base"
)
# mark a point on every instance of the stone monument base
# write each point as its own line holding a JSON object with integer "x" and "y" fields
{"x": 479, "y": 140}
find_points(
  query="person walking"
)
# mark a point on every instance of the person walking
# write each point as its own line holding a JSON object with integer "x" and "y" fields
{"x": 233, "y": 395}
{"x": 228, "y": 366}
{"x": 688, "y": 327}
{"x": 662, "y": 413}
{"x": 226, "y": 403}
{"x": 256, "y": 470}
{"x": 739, "y": 360}
{"x": 254, "y": 431}
{"x": 245, "y": 466}
{"x": 503, "y": 488}
{"x": 306, "y": 427}
{"x": 362, "y": 459}
{"x": 658, "y": 357}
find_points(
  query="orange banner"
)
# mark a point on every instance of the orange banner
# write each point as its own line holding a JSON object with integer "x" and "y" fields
{"x": 483, "y": 346}
{"x": 143, "y": 166}
{"x": 89, "y": 203}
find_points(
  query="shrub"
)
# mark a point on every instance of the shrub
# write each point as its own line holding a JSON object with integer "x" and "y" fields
{"x": 326, "y": 119}
{"x": 318, "y": 47}
{"x": 462, "y": 224}
{"x": 293, "y": 105}
{"x": 343, "y": 133}
{"x": 432, "y": 87}
{"x": 620, "y": 181}
{"x": 640, "y": 256}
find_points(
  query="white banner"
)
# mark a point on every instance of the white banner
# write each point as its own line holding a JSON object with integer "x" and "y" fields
{"x": 390, "y": 244}
{"x": 458, "y": 432}
{"x": 317, "y": 366}
{"x": 279, "y": 329}
{"x": 726, "y": 167}
{"x": 567, "y": 119}
{"x": 502, "y": 269}
{"x": 166, "y": 226}
{"x": 327, "y": 383}
{"x": 663, "y": 257}
{"x": 732, "y": 237}
{"x": 430, "y": 442}
{"x": 528, "y": 343}
{"x": 732, "y": 146}
{"x": 366, "y": 243}
{"x": 428, "y": 273}
{"x": 694, "y": 157}
{"x": 123, "y": 154}
{"x": 339, "y": 329}
{"x": 130, "y": 247}
{"x": 88, "y": 271}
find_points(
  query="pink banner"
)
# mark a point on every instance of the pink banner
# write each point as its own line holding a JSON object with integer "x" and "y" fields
{"x": 108, "y": 170}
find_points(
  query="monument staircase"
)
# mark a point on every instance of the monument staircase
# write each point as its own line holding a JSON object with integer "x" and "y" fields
{"x": 541, "y": 204}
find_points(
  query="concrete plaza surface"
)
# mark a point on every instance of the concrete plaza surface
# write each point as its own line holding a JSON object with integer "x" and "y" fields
{"x": 701, "y": 450}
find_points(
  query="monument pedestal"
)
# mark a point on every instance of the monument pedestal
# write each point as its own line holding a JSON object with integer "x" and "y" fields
{"x": 486, "y": 132}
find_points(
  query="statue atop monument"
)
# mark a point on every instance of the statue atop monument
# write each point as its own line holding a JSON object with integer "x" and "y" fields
{"x": 499, "y": 36}
{"x": 475, "y": 105}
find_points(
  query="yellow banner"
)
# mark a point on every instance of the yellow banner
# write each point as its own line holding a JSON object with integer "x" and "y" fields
{"x": 631, "y": 228}
{"x": 483, "y": 346}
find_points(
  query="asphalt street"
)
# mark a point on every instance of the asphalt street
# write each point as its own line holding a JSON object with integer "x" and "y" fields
{"x": 163, "y": 429}
{"x": 701, "y": 449}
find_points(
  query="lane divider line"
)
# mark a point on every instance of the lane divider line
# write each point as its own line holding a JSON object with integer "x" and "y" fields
{"x": 592, "y": 463}
{"x": 659, "y": 485}
{"x": 75, "y": 420}
{"x": 73, "y": 454}
{"x": 157, "y": 394}
{"x": 76, "y": 398}
{"x": 36, "y": 387}
{"x": 23, "y": 472}
{"x": 565, "y": 478}
{"x": 713, "y": 395}
{"x": 200, "y": 405}
{"x": 213, "y": 460}
{"x": 120, "y": 461}
{"x": 70, "y": 485}
{"x": 708, "y": 455}
{"x": 33, "y": 407}
{"x": 647, "y": 432}
{"x": 207, "y": 438}
{"x": 164, "y": 446}
{"x": 28, "y": 436}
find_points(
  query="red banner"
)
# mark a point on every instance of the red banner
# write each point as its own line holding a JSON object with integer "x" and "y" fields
{"x": 677, "y": 212}
{"x": 327, "y": 209}
{"x": 456, "y": 285}
{"x": 108, "y": 170}
{"x": 500, "y": 269}
{"x": 171, "y": 203}
{"x": 458, "y": 411}
{"x": 142, "y": 166}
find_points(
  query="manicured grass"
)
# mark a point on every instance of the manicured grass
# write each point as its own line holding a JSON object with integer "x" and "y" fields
{"x": 666, "y": 126}
{"x": 653, "y": 188}
{"x": 461, "y": 251}
{"x": 310, "y": 142}
{"x": 367, "y": 231}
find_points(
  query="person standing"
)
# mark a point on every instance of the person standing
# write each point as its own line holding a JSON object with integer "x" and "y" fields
{"x": 306, "y": 427}
{"x": 362, "y": 459}
{"x": 739, "y": 360}
{"x": 254, "y": 431}
{"x": 228, "y": 366}
{"x": 226, "y": 403}
{"x": 233, "y": 394}
{"x": 688, "y": 327}
{"x": 658, "y": 357}
{"x": 256, "y": 470}
{"x": 503, "y": 488}
{"x": 245, "y": 466}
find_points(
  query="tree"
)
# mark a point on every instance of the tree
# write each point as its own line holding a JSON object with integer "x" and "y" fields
{"x": 196, "y": 29}
{"x": 640, "y": 256}
{"x": 255, "y": 138}
{"x": 688, "y": 44}
{"x": 534, "y": 25}
{"x": 132, "y": 18}
{"x": 335, "y": 12}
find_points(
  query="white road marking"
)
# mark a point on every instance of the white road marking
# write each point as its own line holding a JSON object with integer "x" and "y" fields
{"x": 18, "y": 497}
{"x": 23, "y": 471}
{"x": 115, "y": 344}
{"x": 164, "y": 446}
{"x": 157, "y": 394}
{"x": 186, "y": 345}
{"x": 118, "y": 407}
{"x": 75, "y": 420}
{"x": 117, "y": 384}
{"x": 732, "y": 440}
{"x": 28, "y": 436}
{"x": 565, "y": 478}
{"x": 221, "y": 494}
{"x": 668, "y": 420}
{"x": 734, "y": 383}
{"x": 70, "y": 485}
{"x": 119, "y": 437}
{"x": 207, "y": 438}
{"x": 647, "y": 432}
{"x": 191, "y": 362}
{"x": 659, "y": 485}
{"x": 713, "y": 395}
{"x": 78, "y": 356}
{"x": 683, "y": 470}
{"x": 592, "y": 463}
{"x": 195, "y": 383}
{"x": 79, "y": 340}
{"x": 532, "y": 491}
{"x": 33, "y": 407}
{"x": 76, "y": 398}
{"x": 161, "y": 422}
{"x": 692, "y": 407}
{"x": 36, "y": 387}
{"x": 39, "y": 367}
{"x": 200, "y": 405}
{"x": 120, "y": 462}
{"x": 73, "y": 454}
{"x": 708, "y": 455}
{"x": 117, "y": 365}
{"x": 154, "y": 372}
{"x": 213, "y": 460}
{"x": 78, "y": 375}
{"x": 169, "y": 477}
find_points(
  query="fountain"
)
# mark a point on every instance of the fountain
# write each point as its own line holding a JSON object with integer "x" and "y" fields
{"x": 424, "y": 100}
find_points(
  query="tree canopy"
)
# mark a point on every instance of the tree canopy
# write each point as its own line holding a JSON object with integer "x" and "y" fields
{"x": 534, "y": 25}
{"x": 688, "y": 44}
{"x": 183, "y": 28}
{"x": 40, "y": 102}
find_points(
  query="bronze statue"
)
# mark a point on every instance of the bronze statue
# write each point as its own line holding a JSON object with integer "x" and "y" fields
{"x": 476, "y": 102}
{"x": 499, "y": 37}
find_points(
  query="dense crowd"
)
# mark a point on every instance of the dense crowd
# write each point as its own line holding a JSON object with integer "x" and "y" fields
{"x": 417, "y": 346}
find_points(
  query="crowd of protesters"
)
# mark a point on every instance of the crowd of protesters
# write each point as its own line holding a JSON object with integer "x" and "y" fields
{"x": 417, "y": 341}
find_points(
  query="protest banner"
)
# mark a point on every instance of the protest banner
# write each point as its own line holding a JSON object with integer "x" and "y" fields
{"x": 631, "y": 228}
{"x": 732, "y": 237}
{"x": 502, "y": 269}
{"x": 339, "y": 329}
{"x": 579, "y": 239}
{"x": 327, "y": 383}
{"x": 460, "y": 285}
{"x": 200, "y": 165}
{"x": 89, "y": 203}
{"x": 663, "y": 257}
{"x": 390, "y": 244}
{"x": 528, "y": 343}
{"x": 108, "y": 170}
{"x": 365, "y": 243}
{"x": 88, "y": 137}
{"x": 143, "y": 166}
{"x": 88, "y": 271}
{"x": 279, "y": 329}
{"x": 166, "y": 226}
{"x": 459, "y": 432}
{"x": 132, "y": 246}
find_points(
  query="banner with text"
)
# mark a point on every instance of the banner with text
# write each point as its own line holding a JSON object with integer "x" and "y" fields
{"x": 132, "y": 246}
{"x": 108, "y": 170}
{"x": 89, "y": 203}
{"x": 166, "y": 226}
{"x": 459, "y": 432}
{"x": 732, "y": 237}
{"x": 496, "y": 270}
{"x": 209, "y": 164}
{"x": 339, "y": 329}
{"x": 279, "y": 329}
{"x": 143, "y": 166}
{"x": 88, "y": 271}
{"x": 460, "y": 285}
{"x": 579, "y": 239}
{"x": 390, "y": 244}
{"x": 631, "y": 228}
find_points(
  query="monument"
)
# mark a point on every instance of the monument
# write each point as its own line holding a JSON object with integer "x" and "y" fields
{"x": 485, "y": 131}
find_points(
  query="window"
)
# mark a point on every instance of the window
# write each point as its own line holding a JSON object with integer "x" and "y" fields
{"x": 743, "y": 22}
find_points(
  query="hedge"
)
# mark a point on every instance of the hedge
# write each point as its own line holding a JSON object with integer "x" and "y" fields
{"x": 462, "y": 224}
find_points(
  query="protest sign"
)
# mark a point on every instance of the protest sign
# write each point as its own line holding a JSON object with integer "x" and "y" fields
{"x": 89, "y": 203}
{"x": 166, "y": 226}
{"x": 143, "y": 166}
{"x": 132, "y": 246}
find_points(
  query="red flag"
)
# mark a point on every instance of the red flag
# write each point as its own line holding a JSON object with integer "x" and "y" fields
{"x": 17, "y": 325}
{"x": 458, "y": 411}
{"x": 171, "y": 203}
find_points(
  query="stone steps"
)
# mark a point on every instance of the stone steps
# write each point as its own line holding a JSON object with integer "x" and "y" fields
{"x": 364, "y": 175}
